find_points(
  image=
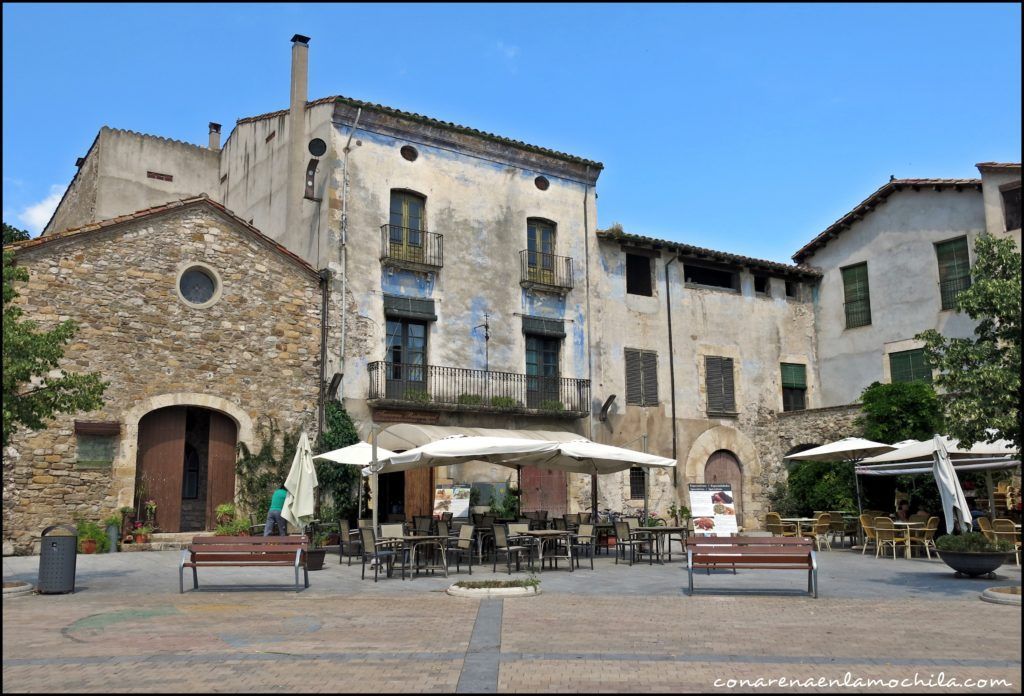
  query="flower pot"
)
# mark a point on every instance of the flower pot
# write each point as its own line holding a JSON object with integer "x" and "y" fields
{"x": 973, "y": 563}
{"x": 315, "y": 559}
{"x": 141, "y": 538}
{"x": 89, "y": 545}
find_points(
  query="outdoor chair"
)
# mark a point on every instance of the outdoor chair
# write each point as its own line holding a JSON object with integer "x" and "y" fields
{"x": 820, "y": 529}
{"x": 347, "y": 546}
{"x": 887, "y": 534}
{"x": 585, "y": 540}
{"x": 773, "y": 523}
{"x": 869, "y": 532}
{"x": 392, "y": 531}
{"x": 925, "y": 537}
{"x": 516, "y": 532}
{"x": 919, "y": 517}
{"x": 632, "y": 522}
{"x": 572, "y": 521}
{"x": 838, "y": 526}
{"x": 396, "y": 517}
{"x": 443, "y": 529}
{"x": 422, "y": 525}
{"x": 446, "y": 516}
{"x": 985, "y": 525}
{"x": 462, "y": 546}
{"x": 477, "y": 516}
{"x": 1004, "y": 530}
{"x": 559, "y": 524}
{"x": 624, "y": 540}
{"x": 585, "y": 518}
{"x": 501, "y": 545}
{"x": 379, "y": 552}
{"x": 368, "y": 522}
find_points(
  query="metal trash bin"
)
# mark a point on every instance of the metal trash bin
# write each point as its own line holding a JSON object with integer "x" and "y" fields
{"x": 58, "y": 554}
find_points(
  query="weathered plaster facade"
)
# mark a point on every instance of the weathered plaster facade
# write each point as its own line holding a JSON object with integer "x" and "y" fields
{"x": 996, "y": 177}
{"x": 252, "y": 353}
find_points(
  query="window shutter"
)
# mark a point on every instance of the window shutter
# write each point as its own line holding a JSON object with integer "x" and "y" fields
{"x": 728, "y": 393}
{"x": 634, "y": 377}
{"x": 909, "y": 366}
{"x": 649, "y": 360}
{"x": 954, "y": 270}
{"x": 713, "y": 381}
{"x": 856, "y": 296}
{"x": 794, "y": 375}
{"x": 400, "y": 307}
{"x": 542, "y": 326}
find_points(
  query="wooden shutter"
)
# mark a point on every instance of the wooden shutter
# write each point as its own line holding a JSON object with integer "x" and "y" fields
{"x": 649, "y": 360}
{"x": 161, "y": 463}
{"x": 220, "y": 470}
{"x": 857, "y": 296}
{"x": 954, "y": 270}
{"x": 719, "y": 381}
{"x": 634, "y": 377}
{"x": 794, "y": 375}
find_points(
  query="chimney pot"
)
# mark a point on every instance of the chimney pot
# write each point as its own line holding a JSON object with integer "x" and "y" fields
{"x": 79, "y": 162}
{"x": 299, "y": 38}
{"x": 214, "y": 136}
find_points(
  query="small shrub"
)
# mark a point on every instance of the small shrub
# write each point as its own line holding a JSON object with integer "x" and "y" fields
{"x": 91, "y": 530}
{"x": 470, "y": 400}
{"x": 232, "y": 528}
{"x": 492, "y": 584}
{"x": 504, "y": 402}
{"x": 551, "y": 405}
{"x": 417, "y": 396}
{"x": 972, "y": 542}
{"x": 225, "y": 512}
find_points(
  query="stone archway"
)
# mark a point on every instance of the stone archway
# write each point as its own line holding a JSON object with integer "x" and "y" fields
{"x": 124, "y": 471}
{"x": 722, "y": 437}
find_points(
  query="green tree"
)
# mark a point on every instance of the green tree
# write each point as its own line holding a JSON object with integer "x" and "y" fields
{"x": 13, "y": 234}
{"x": 816, "y": 486}
{"x": 338, "y": 480}
{"x": 260, "y": 472}
{"x": 980, "y": 378}
{"x": 35, "y": 389}
{"x": 900, "y": 411}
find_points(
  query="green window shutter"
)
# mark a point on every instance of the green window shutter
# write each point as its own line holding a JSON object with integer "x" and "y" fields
{"x": 634, "y": 377}
{"x": 909, "y": 366}
{"x": 400, "y": 307}
{"x": 649, "y": 363}
{"x": 794, "y": 375}
{"x": 954, "y": 270}
{"x": 541, "y": 326}
{"x": 856, "y": 296}
{"x": 728, "y": 390}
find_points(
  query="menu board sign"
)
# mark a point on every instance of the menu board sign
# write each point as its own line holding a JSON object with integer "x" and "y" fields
{"x": 453, "y": 498}
{"x": 713, "y": 510}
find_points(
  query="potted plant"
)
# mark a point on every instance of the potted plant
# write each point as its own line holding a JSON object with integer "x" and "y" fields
{"x": 680, "y": 514}
{"x": 141, "y": 533}
{"x": 972, "y": 554}
{"x": 316, "y": 553}
{"x": 225, "y": 512}
{"x": 91, "y": 538}
{"x": 150, "y": 513}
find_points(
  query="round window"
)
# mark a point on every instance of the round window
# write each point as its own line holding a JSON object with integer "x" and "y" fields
{"x": 542, "y": 183}
{"x": 409, "y": 153}
{"x": 197, "y": 285}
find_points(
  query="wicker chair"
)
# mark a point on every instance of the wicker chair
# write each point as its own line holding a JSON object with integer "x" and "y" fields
{"x": 585, "y": 540}
{"x": 462, "y": 546}
{"x": 985, "y": 525}
{"x": 820, "y": 529}
{"x": 773, "y": 523}
{"x": 347, "y": 546}
{"x": 384, "y": 551}
{"x": 919, "y": 517}
{"x": 925, "y": 538}
{"x": 886, "y": 533}
{"x": 502, "y": 545}
{"x": 868, "y": 526}
{"x": 1004, "y": 530}
{"x": 422, "y": 525}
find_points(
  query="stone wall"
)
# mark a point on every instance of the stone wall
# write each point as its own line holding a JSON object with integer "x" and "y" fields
{"x": 252, "y": 353}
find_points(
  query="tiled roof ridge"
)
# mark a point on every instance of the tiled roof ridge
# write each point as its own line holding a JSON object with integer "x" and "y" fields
{"x": 998, "y": 165}
{"x": 153, "y": 210}
{"x": 618, "y": 234}
{"x": 155, "y": 137}
{"x": 868, "y": 204}
{"x": 434, "y": 122}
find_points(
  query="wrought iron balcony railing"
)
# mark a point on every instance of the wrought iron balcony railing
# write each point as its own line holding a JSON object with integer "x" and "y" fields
{"x": 545, "y": 270}
{"x": 407, "y": 246}
{"x": 465, "y": 389}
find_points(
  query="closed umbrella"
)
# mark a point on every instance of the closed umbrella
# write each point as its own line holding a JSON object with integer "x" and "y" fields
{"x": 300, "y": 484}
{"x": 954, "y": 504}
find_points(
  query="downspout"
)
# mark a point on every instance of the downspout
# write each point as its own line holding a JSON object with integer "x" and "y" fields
{"x": 590, "y": 360}
{"x": 671, "y": 370}
{"x": 344, "y": 240}
{"x": 325, "y": 290}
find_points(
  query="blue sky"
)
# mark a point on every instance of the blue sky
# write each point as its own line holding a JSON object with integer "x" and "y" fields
{"x": 744, "y": 128}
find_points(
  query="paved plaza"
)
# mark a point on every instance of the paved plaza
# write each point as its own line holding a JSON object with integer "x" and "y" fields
{"x": 616, "y": 628}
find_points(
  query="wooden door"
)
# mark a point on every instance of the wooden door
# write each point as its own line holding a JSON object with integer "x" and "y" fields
{"x": 723, "y": 467}
{"x": 220, "y": 469}
{"x": 544, "y": 489}
{"x": 160, "y": 463}
{"x": 419, "y": 492}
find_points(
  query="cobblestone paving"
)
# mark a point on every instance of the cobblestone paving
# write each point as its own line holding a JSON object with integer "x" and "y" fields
{"x": 127, "y": 629}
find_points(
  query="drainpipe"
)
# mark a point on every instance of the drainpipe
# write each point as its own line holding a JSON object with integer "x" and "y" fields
{"x": 590, "y": 360}
{"x": 671, "y": 370}
{"x": 325, "y": 291}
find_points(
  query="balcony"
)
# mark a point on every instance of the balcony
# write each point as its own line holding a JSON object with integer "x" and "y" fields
{"x": 436, "y": 388}
{"x": 416, "y": 250}
{"x": 545, "y": 272}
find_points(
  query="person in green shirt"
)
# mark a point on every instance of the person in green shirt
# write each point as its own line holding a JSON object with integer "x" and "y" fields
{"x": 274, "y": 514}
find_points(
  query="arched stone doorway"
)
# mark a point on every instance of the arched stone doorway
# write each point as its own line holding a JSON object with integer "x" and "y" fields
{"x": 186, "y": 465}
{"x": 723, "y": 467}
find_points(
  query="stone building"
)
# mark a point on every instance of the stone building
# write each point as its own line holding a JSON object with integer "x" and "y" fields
{"x": 202, "y": 326}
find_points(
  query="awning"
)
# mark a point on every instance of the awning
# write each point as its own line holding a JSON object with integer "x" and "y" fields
{"x": 925, "y": 450}
{"x": 405, "y": 436}
{"x": 923, "y": 466}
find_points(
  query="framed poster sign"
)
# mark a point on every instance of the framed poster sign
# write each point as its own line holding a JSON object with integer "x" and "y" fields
{"x": 453, "y": 498}
{"x": 713, "y": 510}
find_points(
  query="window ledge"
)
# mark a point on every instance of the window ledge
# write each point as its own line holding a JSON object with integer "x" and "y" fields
{"x": 723, "y": 414}
{"x": 717, "y": 288}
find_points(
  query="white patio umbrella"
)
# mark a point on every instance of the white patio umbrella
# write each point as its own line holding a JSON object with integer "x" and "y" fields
{"x": 506, "y": 451}
{"x": 300, "y": 484}
{"x": 927, "y": 448}
{"x": 359, "y": 454}
{"x": 954, "y": 504}
{"x": 849, "y": 449}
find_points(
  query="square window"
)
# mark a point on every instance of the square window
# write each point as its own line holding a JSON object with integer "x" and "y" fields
{"x": 793, "y": 289}
{"x": 95, "y": 451}
{"x": 761, "y": 285}
{"x": 1011, "y": 206}
{"x": 638, "y": 275}
{"x": 909, "y": 366}
{"x": 637, "y": 483}
{"x": 711, "y": 277}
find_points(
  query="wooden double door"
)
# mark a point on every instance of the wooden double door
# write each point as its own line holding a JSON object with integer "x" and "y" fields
{"x": 186, "y": 459}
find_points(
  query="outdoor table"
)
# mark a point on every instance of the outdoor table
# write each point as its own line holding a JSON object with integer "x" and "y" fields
{"x": 541, "y": 535}
{"x": 661, "y": 533}
{"x": 415, "y": 541}
{"x": 799, "y": 522}
{"x": 908, "y": 525}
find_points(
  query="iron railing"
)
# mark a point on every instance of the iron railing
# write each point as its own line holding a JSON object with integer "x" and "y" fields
{"x": 537, "y": 268}
{"x": 408, "y": 245}
{"x": 476, "y": 389}
{"x": 950, "y": 288}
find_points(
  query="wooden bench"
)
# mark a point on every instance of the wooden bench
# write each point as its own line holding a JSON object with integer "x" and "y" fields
{"x": 779, "y": 553}
{"x": 241, "y": 552}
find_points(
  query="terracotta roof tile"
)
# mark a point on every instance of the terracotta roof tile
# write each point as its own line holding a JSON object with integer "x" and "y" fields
{"x": 615, "y": 234}
{"x": 875, "y": 199}
{"x": 435, "y": 123}
{"x": 201, "y": 199}
{"x": 998, "y": 165}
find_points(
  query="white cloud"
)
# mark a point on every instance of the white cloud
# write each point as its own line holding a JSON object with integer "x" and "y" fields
{"x": 36, "y": 216}
{"x": 510, "y": 52}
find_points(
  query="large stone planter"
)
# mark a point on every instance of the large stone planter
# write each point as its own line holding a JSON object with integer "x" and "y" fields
{"x": 973, "y": 563}
{"x": 497, "y": 592}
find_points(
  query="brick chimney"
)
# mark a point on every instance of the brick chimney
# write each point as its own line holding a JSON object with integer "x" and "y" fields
{"x": 214, "y": 136}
